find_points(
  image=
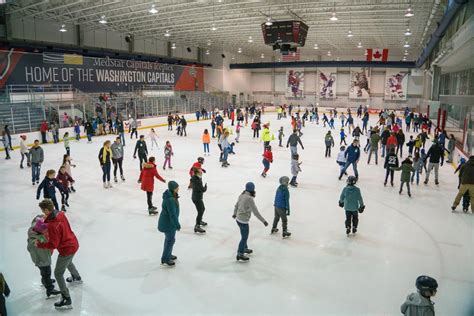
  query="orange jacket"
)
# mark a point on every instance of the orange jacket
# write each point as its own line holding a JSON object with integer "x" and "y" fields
{"x": 206, "y": 138}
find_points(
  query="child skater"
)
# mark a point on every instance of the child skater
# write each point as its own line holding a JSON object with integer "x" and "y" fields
{"x": 391, "y": 162}
{"x": 77, "y": 130}
{"x": 341, "y": 158}
{"x": 411, "y": 145}
{"x": 47, "y": 185}
{"x": 64, "y": 179}
{"x": 243, "y": 210}
{"x": 67, "y": 163}
{"x": 206, "y": 140}
{"x": 237, "y": 132}
{"x": 419, "y": 303}
{"x": 407, "y": 169}
{"x": 282, "y": 207}
{"x": 295, "y": 169}
{"x": 267, "y": 160}
{"x": 25, "y": 152}
{"x": 352, "y": 202}
{"x": 343, "y": 137}
{"x": 153, "y": 136}
{"x": 66, "y": 143}
{"x": 280, "y": 136}
{"x": 417, "y": 165}
{"x": 168, "y": 153}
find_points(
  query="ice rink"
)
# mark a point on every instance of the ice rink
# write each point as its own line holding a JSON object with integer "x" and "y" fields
{"x": 318, "y": 271}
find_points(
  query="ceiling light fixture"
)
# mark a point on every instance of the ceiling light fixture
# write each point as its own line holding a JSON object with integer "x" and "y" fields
{"x": 408, "y": 32}
{"x": 167, "y": 33}
{"x": 349, "y": 33}
{"x": 406, "y": 45}
{"x": 262, "y": 56}
{"x": 102, "y": 20}
{"x": 207, "y": 51}
{"x": 173, "y": 46}
{"x": 316, "y": 46}
{"x": 329, "y": 53}
{"x": 250, "y": 40}
{"x": 233, "y": 57}
{"x": 269, "y": 21}
{"x": 359, "y": 45}
{"x": 333, "y": 17}
{"x": 209, "y": 43}
{"x": 213, "y": 28}
{"x": 239, "y": 50}
{"x": 63, "y": 28}
{"x": 404, "y": 58}
{"x": 409, "y": 12}
{"x": 153, "y": 10}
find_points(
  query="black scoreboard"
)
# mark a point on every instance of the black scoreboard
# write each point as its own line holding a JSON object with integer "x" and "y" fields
{"x": 291, "y": 32}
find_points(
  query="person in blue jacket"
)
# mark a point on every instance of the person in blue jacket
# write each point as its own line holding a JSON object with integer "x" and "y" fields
{"x": 282, "y": 207}
{"x": 352, "y": 202}
{"x": 352, "y": 155}
{"x": 47, "y": 185}
{"x": 169, "y": 222}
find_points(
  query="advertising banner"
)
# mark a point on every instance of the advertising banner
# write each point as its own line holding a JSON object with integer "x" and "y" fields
{"x": 359, "y": 87}
{"x": 95, "y": 74}
{"x": 327, "y": 83}
{"x": 396, "y": 84}
{"x": 294, "y": 83}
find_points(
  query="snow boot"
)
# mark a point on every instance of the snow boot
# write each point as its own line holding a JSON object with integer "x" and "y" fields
{"x": 64, "y": 303}
{"x": 241, "y": 257}
{"x": 198, "y": 229}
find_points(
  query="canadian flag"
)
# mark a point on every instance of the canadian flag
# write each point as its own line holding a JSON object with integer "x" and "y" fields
{"x": 376, "y": 54}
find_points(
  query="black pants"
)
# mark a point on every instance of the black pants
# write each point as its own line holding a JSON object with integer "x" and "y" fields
{"x": 134, "y": 131}
{"x": 183, "y": 130}
{"x": 407, "y": 184}
{"x": 200, "y": 211}
{"x": 46, "y": 277}
{"x": 43, "y": 137}
{"x": 27, "y": 155}
{"x": 64, "y": 197}
{"x": 352, "y": 217}
{"x": 142, "y": 158}
{"x": 389, "y": 172}
{"x": 256, "y": 133}
{"x": 400, "y": 148}
{"x": 55, "y": 202}
{"x": 328, "y": 151}
{"x": 149, "y": 197}
{"x": 280, "y": 213}
{"x": 3, "y": 309}
{"x": 118, "y": 165}
{"x": 170, "y": 126}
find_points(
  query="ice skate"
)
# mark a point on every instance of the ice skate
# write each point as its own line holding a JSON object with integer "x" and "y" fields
{"x": 465, "y": 209}
{"x": 72, "y": 189}
{"x": 168, "y": 263}
{"x": 109, "y": 185}
{"x": 248, "y": 251}
{"x": 348, "y": 231}
{"x": 198, "y": 229}
{"x": 354, "y": 230}
{"x": 52, "y": 292}
{"x": 174, "y": 258}
{"x": 151, "y": 211}
{"x": 286, "y": 234}
{"x": 115, "y": 179}
{"x": 409, "y": 194}
{"x": 64, "y": 303}
{"x": 105, "y": 186}
{"x": 122, "y": 177}
{"x": 73, "y": 279}
{"x": 63, "y": 208}
{"x": 203, "y": 223}
{"x": 274, "y": 230}
{"x": 241, "y": 257}
{"x": 263, "y": 174}
{"x": 436, "y": 182}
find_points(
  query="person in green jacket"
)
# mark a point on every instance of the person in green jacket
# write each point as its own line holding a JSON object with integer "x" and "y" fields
{"x": 169, "y": 222}
{"x": 407, "y": 169}
{"x": 374, "y": 145}
{"x": 352, "y": 202}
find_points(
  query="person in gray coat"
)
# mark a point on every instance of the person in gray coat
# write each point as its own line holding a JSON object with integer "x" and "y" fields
{"x": 117, "y": 157}
{"x": 451, "y": 148}
{"x": 36, "y": 158}
{"x": 41, "y": 257}
{"x": 243, "y": 210}
{"x": 293, "y": 142}
{"x": 419, "y": 303}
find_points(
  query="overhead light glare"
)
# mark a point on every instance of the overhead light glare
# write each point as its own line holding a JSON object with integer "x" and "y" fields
{"x": 409, "y": 12}
{"x": 406, "y": 45}
{"x": 239, "y": 50}
{"x": 349, "y": 33}
{"x": 333, "y": 17}
{"x": 408, "y": 32}
{"x": 167, "y": 33}
{"x": 250, "y": 40}
{"x": 173, "y": 46}
{"x": 207, "y": 51}
{"x": 359, "y": 45}
{"x": 153, "y": 10}
{"x": 102, "y": 20}
{"x": 213, "y": 28}
{"x": 269, "y": 21}
{"x": 63, "y": 28}
{"x": 329, "y": 53}
{"x": 262, "y": 56}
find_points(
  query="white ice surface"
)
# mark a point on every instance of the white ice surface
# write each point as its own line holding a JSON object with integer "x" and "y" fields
{"x": 318, "y": 271}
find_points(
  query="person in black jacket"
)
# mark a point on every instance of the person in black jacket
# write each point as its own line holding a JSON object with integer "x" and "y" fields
{"x": 170, "y": 122}
{"x": 105, "y": 156}
{"x": 434, "y": 156}
{"x": 198, "y": 190}
{"x": 391, "y": 161}
{"x": 400, "y": 142}
{"x": 89, "y": 130}
{"x": 384, "y": 138}
{"x": 47, "y": 185}
{"x": 4, "y": 292}
{"x": 183, "y": 124}
{"x": 120, "y": 130}
{"x": 140, "y": 147}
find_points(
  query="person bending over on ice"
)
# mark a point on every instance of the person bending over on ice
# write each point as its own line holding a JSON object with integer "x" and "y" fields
{"x": 352, "y": 202}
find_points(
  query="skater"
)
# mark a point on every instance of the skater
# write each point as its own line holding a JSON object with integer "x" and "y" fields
{"x": 343, "y": 137}
{"x": 9, "y": 136}
{"x": 67, "y": 146}
{"x": 6, "y": 145}
{"x": 105, "y": 155}
{"x": 329, "y": 142}
{"x": 419, "y": 303}
{"x": 183, "y": 124}
{"x": 384, "y": 138}
{"x": 417, "y": 166}
{"x": 197, "y": 198}
{"x": 356, "y": 132}
{"x": 407, "y": 169}
{"x": 352, "y": 154}
{"x": 374, "y": 145}
{"x": 400, "y": 142}
{"x": 64, "y": 179}
{"x": 295, "y": 169}
{"x": 434, "y": 155}
{"x": 267, "y": 160}
{"x": 341, "y": 158}
{"x": 44, "y": 129}
{"x": 36, "y": 158}
{"x": 147, "y": 180}
{"x": 197, "y": 165}
{"x": 48, "y": 186}
{"x": 226, "y": 148}
{"x": 392, "y": 142}
{"x": 282, "y": 207}
{"x": 206, "y": 140}
{"x": 391, "y": 162}
{"x": 77, "y": 131}
{"x": 25, "y": 152}
{"x": 293, "y": 142}
{"x": 133, "y": 128}
{"x": 41, "y": 257}
{"x": 89, "y": 130}
{"x": 466, "y": 176}
{"x": 4, "y": 292}
{"x": 117, "y": 157}
{"x": 169, "y": 222}
{"x": 168, "y": 151}
{"x": 152, "y": 135}
{"x": 61, "y": 238}
{"x": 170, "y": 122}
{"x": 280, "y": 136}
{"x": 67, "y": 163}
{"x": 120, "y": 130}
{"x": 352, "y": 202}
{"x": 411, "y": 145}
{"x": 451, "y": 148}
{"x": 140, "y": 147}
{"x": 237, "y": 132}
{"x": 243, "y": 210}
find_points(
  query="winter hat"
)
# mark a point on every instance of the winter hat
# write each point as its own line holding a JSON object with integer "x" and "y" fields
{"x": 40, "y": 226}
{"x": 250, "y": 187}
{"x": 462, "y": 160}
{"x": 172, "y": 185}
{"x": 284, "y": 180}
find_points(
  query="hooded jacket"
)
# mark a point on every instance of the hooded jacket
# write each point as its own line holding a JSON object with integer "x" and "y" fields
{"x": 117, "y": 151}
{"x": 141, "y": 148}
{"x": 40, "y": 257}
{"x": 328, "y": 140}
{"x": 47, "y": 185}
{"x": 244, "y": 208}
{"x": 466, "y": 173}
{"x": 374, "y": 140}
{"x": 417, "y": 305}
{"x": 37, "y": 155}
{"x": 61, "y": 236}
{"x": 434, "y": 153}
{"x": 169, "y": 216}
{"x": 266, "y": 137}
{"x": 406, "y": 169}
{"x": 148, "y": 175}
{"x": 351, "y": 198}
{"x": 352, "y": 153}
{"x": 282, "y": 198}
{"x": 198, "y": 188}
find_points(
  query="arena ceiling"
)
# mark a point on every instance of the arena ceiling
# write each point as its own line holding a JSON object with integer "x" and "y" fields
{"x": 229, "y": 24}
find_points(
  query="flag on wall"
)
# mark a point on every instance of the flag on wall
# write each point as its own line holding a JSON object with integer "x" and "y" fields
{"x": 377, "y": 54}
{"x": 291, "y": 56}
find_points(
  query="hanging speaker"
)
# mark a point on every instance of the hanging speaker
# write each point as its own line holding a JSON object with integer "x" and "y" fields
{"x": 189, "y": 49}
{"x": 223, "y": 56}
{"x": 128, "y": 38}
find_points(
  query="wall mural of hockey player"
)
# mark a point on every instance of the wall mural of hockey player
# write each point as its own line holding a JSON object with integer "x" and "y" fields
{"x": 396, "y": 84}
{"x": 327, "y": 84}
{"x": 360, "y": 83}
{"x": 294, "y": 83}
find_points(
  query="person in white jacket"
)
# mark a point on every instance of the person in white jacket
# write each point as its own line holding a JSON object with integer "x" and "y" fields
{"x": 25, "y": 152}
{"x": 153, "y": 136}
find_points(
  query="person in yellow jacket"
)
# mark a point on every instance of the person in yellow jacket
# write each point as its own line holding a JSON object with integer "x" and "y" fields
{"x": 266, "y": 136}
{"x": 279, "y": 112}
{"x": 418, "y": 144}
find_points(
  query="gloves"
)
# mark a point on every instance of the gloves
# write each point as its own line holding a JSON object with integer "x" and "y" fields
{"x": 234, "y": 216}
{"x": 134, "y": 157}
{"x": 203, "y": 170}
{"x": 265, "y": 223}
{"x": 287, "y": 212}
{"x": 341, "y": 204}
{"x": 361, "y": 209}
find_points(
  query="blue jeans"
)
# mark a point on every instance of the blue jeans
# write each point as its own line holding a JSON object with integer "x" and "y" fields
{"x": 206, "y": 148}
{"x": 168, "y": 246}
{"x": 383, "y": 150}
{"x": 35, "y": 171}
{"x": 226, "y": 153}
{"x": 106, "y": 172}
{"x": 122, "y": 138}
{"x": 293, "y": 150}
{"x": 417, "y": 174}
{"x": 244, "y": 236}
{"x": 89, "y": 137}
{"x": 354, "y": 167}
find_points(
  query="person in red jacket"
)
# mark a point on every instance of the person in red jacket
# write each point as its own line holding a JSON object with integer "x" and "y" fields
{"x": 232, "y": 117}
{"x": 44, "y": 129}
{"x": 147, "y": 179}
{"x": 197, "y": 165}
{"x": 64, "y": 179}
{"x": 267, "y": 159}
{"x": 62, "y": 238}
{"x": 392, "y": 142}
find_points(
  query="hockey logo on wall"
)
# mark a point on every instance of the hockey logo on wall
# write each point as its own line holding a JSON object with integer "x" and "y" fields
{"x": 396, "y": 84}
{"x": 294, "y": 83}
{"x": 327, "y": 83}
{"x": 359, "y": 83}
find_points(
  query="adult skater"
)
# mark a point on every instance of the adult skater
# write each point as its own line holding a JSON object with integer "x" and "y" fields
{"x": 329, "y": 142}
{"x": 117, "y": 157}
{"x": 400, "y": 142}
{"x": 293, "y": 142}
{"x": 352, "y": 202}
{"x": 383, "y": 139}
{"x": 48, "y": 186}
{"x": 89, "y": 130}
{"x": 133, "y": 128}
{"x": 243, "y": 210}
{"x": 120, "y": 130}
{"x": 63, "y": 239}
{"x": 36, "y": 158}
{"x": 434, "y": 156}
{"x": 183, "y": 124}
{"x": 169, "y": 222}
{"x": 41, "y": 257}
{"x": 391, "y": 162}
{"x": 147, "y": 179}
{"x": 153, "y": 136}
{"x": 374, "y": 145}
{"x": 140, "y": 147}
{"x": 419, "y": 303}
{"x": 197, "y": 198}
{"x": 105, "y": 155}
{"x": 282, "y": 207}
{"x": 352, "y": 155}
{"x": 466, "y": 175}
{"x": 25, "y": 152}
{"x": 44, "y": 129}
{"x": 451, "y": 148}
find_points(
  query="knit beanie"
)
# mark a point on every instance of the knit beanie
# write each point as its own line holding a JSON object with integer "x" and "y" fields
{"x": 172, "y": 185}
{"x": 250, "y": 187}
{"x": 284, "y": 180}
